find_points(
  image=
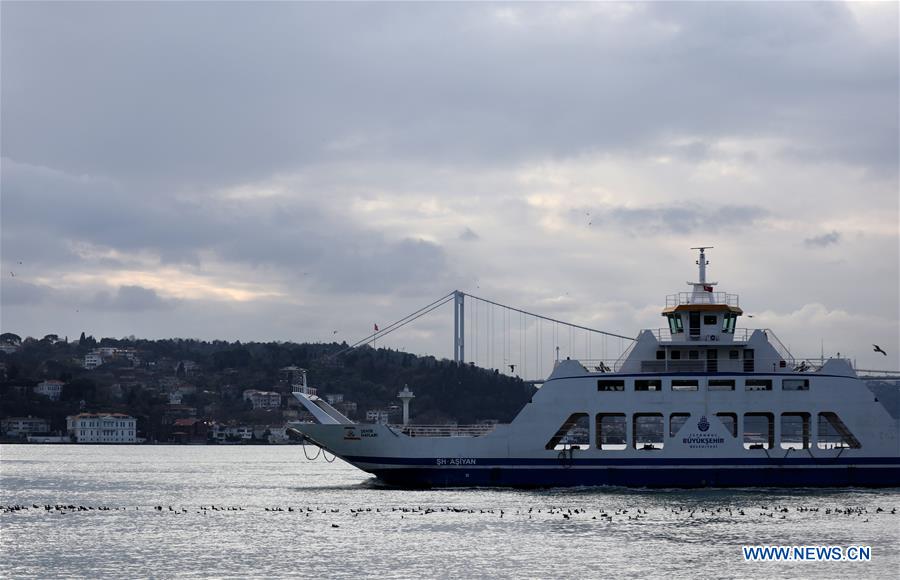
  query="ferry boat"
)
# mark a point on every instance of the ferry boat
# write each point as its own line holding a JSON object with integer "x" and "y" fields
{"x": 701, "y": 403}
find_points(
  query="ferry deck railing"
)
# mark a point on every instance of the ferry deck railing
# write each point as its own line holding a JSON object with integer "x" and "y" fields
{"x": 796, "y": 365}
{"x": 445, "y": 430}
{"x": 686, "y": 298}
{"x": 738, "y": 336}
{"x": 663, "y": 366}
{"x": 602, "y": 365}
{"x": 782, "y": 350}
{"x": 301, "y": 388}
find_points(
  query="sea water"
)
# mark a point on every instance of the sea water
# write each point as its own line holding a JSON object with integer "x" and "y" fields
{"x": 267, "y": 512}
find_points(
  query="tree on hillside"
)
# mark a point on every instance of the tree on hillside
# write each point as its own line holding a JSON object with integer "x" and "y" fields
{"x": 81, "y": 389}
{"x": 10, "y": 338}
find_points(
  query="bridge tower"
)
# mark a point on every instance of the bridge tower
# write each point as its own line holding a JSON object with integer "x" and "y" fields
{"x": 459, "y": 327}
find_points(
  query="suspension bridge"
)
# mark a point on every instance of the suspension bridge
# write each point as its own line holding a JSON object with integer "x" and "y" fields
{"x": 511, "y": 340}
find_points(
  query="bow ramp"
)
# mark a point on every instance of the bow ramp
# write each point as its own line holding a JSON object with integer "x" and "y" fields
{"x": 320, "y": 409}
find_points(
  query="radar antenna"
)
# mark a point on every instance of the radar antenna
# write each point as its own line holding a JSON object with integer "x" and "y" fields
{"x": 702, "y": 262}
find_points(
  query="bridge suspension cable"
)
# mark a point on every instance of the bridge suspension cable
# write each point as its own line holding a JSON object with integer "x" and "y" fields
{"x": 568, "y": 324}
{"x": 517, "y": 347}
{"x": 400, "y": 323}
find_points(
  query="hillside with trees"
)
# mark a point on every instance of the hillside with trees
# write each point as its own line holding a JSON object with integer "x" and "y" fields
{"x": 161, "y": 381}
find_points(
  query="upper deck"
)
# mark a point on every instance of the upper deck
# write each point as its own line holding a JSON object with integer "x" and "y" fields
{"x": 706, "y": 300}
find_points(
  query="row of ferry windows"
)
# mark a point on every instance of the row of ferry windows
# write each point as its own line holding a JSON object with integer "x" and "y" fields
{"x": 676, "y": 324}
{"x": 647, "y": 431}
{"x": 695, "y": 354}
{"x": 711, "y": 384}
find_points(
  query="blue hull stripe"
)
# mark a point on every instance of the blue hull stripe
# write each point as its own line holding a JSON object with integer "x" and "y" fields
{"x": 640, "y": 462}
{"x": 692, "y": 374}
{"x": 669, "y": 477}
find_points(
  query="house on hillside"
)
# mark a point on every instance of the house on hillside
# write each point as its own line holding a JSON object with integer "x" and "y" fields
{"x": 263, "y": 399}
{"x": 102, "y": 428}
{"x": 51, "y": 389}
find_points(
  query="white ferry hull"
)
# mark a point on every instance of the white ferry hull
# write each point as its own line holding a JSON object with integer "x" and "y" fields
{"x": 399, "y": 460}
{"x": 440, "y": 465}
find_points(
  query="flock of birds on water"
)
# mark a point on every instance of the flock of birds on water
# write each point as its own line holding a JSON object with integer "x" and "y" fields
{"x": 560, "y": 513}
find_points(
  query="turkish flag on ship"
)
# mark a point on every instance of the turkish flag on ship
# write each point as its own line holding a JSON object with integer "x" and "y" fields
{"x": 707, "y": 288}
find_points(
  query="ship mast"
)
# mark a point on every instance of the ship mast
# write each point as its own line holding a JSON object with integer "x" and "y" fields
{"x": 702, "y": 285}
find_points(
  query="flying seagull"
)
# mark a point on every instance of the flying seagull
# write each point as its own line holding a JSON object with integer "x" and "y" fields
{"x": 878, "y": 349}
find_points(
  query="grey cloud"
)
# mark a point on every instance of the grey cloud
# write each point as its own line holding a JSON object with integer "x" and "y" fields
{"x": 824, "y": 240}
{"x": 469, "y": 235}
{"x": 46, "y": 212}
{"x": 16, "y": 292}
{"x": 130, "y": 299}
{"x": 681, "y": 218}
{"x": 311, "y": 80}
{"x": 19, "y": 293}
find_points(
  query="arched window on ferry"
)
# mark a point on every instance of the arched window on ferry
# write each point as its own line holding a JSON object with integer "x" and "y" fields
{"x": 676, "y": 422}
{"x": 795, "y": 431}
{"x": 759, "y": 431}
{"x": 611, "y": 431}
{"x": 832, "y": 433}
{"x": 729, "y": 421}
{"x": 648, "y": 431}
{"x": 573, "y": 433}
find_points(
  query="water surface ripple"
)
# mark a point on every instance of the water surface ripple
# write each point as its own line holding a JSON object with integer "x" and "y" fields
{"x": 266, "y": 512}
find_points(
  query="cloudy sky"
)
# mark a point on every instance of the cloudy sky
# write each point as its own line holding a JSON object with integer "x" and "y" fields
{"x": 285, "y": 171}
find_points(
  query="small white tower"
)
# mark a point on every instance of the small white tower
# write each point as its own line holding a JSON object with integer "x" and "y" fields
{"x": 406, "y": 396}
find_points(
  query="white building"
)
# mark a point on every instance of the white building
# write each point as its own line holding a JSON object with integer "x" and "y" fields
{"x": 378, "y": 416}
{"x": 102, "y": 428}
{"x": 92, "y": 360}
{"x": 334, "y": 398}
{"x": 263, "y": 399}
{"x": 19, "y": 426}
{"x": 231, "y": 433}
{"x": 128, "y": 354}
{"x": 50, "y": 389}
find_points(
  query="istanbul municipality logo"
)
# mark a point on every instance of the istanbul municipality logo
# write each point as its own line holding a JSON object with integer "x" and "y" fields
{"x": 703, "y": 440}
